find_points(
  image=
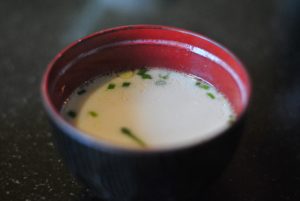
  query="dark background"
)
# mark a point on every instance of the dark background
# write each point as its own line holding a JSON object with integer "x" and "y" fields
{"x": 264, "y": 34}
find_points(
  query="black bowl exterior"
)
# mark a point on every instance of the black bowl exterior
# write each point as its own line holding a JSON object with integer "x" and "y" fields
{"x": 177, "y": 175}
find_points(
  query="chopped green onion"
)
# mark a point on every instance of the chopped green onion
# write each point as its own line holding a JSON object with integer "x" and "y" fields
{"x": 111, "y": 86}
{"x": 164, "y": 76}
{"x": 143, "y": 73}
{"x": 80, "y": 92}
{"x": 126, "y": 84}
{"x": 160, "y": 82}
{"x": 202, "y": 85}
{"x": 210, "y": 95}
{"x": 71, "y": 114}
{"x": 128, "y": 133}
{"x": 93, "y": 114}
{"x": 146, "y": 76}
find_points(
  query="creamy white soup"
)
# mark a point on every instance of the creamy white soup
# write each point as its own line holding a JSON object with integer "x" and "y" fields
{"x": 148, "y": 108}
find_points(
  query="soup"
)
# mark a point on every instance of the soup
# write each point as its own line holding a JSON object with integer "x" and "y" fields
{"x": 148, "y": 108}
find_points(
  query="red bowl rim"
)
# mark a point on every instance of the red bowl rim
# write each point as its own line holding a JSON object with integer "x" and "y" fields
{"x": 101, "y": 145}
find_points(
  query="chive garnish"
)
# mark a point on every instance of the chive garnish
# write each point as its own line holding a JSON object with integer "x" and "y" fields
{"x": 111, "y": 86}
{"x": 210, "y": 95}
{"x": 80, "y": 92}
{"x": 93, "y": 113}
{"x": 160, "y": 82}
{"x": 126, "y": 84}
{"x": 128, "y": 133}
{"x": 202, "y": 85}
{"x": 143, "y": 73}
{"x": 146, "y": 76}
{"x": 164, "y": 76}
{"x": 71, "y": 114}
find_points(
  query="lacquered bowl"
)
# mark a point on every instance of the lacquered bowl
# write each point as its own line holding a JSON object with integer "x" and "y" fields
{"x": 116, "y": 173}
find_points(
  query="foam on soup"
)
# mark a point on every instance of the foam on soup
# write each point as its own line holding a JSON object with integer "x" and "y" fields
{"x": 148, "y": 108}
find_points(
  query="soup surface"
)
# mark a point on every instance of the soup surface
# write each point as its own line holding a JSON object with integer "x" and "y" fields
{"x": 148, "y": 108}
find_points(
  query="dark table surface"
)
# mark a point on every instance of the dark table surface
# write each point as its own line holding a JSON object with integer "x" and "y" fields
{"x": 263, "y": 34}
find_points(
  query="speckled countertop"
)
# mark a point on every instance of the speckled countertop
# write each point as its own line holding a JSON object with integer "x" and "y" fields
{"x": 264, "y": 34}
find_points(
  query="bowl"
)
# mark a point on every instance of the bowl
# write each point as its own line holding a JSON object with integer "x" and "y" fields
{"x": 117, "y": 173}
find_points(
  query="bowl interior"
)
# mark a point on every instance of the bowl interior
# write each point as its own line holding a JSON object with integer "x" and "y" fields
{"x": 134, "y": 47}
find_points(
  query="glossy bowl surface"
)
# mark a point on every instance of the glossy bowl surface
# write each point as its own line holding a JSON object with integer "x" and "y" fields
{"x": 117, "y": 173}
